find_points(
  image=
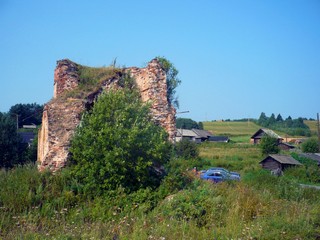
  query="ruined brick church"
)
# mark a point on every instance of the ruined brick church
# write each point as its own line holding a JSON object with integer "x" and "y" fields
{"x": 62, "y": 114}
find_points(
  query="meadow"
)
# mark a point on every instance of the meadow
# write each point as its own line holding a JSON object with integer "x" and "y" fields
{"x": 37, "y": 205}
{"x": 313, "y": 126}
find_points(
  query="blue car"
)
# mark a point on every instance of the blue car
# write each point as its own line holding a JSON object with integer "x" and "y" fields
{"x": 233, "y": 175}
{"x": 219, "y": 175}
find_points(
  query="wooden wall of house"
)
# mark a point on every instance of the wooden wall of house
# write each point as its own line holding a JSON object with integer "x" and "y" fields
{"x": 284, "y": 147}
{"x": 270, "y": 164}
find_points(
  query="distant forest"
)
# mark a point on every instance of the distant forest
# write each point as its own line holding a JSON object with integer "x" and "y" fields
{"x": 187, "y": 123}
{"x": 294, "y": 127}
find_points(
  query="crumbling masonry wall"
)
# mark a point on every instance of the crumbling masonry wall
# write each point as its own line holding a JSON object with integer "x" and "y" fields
{"x": 62, "y": 115}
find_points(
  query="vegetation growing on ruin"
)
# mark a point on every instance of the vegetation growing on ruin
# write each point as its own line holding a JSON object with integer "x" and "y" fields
{"x": 92, "y": 78}
{"x": 172, "y": 80}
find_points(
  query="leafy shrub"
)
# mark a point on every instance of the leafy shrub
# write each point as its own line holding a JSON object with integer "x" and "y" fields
{"x": 197, "y": 203}
{"x": 117, "y": 145}
{"x": 172, "y": 80}
{"x": 186, "y": 149}
{"x": 310, "y": 146}
{"x": 269, "y": 145}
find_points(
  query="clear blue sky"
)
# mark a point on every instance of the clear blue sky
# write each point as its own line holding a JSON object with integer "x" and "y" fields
{"x": 236, "y": 59}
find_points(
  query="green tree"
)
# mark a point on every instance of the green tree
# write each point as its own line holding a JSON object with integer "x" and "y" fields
{"x": 288, "y": 121}
{"x": 310, "y": 146}
{"x": 30, "y": 153}
{"x": 187, "y": 123}
{"x": 172, "y": 80}
{"x": 9, "y": 141}
{"x": 263, "y": 120}
{"x": 271, "y": 120}
{"x": 28, "y": 113}
{"x": 117, "y": 145}
{"x": 279, "y": 118}
{"x": 269, "y": 145}
{"x": 200, "y": 125}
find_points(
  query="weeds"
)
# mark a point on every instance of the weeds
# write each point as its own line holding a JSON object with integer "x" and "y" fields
{"x": 37, "y": 205}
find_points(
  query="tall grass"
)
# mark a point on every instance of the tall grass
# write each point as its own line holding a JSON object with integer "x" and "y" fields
{"x": 37, "y": 205}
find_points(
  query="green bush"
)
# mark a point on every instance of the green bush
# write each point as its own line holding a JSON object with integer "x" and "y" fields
{"x": 269, "y": 145}
{"x": 186, "y": 149}
{"x": 310, "y": 146}
{"x": 172, "y": 80}
{"x": 118, "y": 145}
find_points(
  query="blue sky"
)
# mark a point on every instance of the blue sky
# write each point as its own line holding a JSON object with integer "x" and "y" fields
{"x": 236, "y": 59}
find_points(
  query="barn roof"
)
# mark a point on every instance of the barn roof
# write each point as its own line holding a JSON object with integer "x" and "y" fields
{"x": 313, "y": 156}
{"x": 202, "y": 133}
{"x": 287, "y": 144}
{"x": 186, "y": 133}
{"x": 283, "y": 159}
{"x": 267, "y": 132}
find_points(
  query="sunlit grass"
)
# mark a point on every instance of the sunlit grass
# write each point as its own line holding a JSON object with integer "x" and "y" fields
{"x": 260, "y": 206}
{"x": 312, "y": 125}
{"x": 231, "y": 128}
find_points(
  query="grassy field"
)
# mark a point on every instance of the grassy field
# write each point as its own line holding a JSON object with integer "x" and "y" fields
{"x": 260, "y": 206}
{"x": 312, "y": 125}
{"x": 231, "y": 128}
{"x": 239, "y": 132}
{"x": 37, "y": 205}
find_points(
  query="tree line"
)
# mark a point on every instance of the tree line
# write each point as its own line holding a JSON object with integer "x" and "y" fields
{"x": 295, "y": 127}
{"x": 187, "y": 123}
{"x": 13, "y": 150}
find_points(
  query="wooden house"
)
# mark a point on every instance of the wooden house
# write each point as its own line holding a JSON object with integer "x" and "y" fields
{"x": 285, "y": 146}
{"x": 187, "y": 134}
{"x": 224, "y": 139}
{"x": 203, "y": 135}
{"x": 312, "y": 156}
{"x": 276, "y": 161}
{"x": 262, "y": 132}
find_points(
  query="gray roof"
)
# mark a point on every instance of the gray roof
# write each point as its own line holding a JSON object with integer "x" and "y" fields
{"x": 287, "y": 144}
{"x": 266, "y": 131}
{"x": 202, "y": 133}
{"x": 186, "y": 133}
{"x": 283, "y": 159}
{"x": 313, "y": 156}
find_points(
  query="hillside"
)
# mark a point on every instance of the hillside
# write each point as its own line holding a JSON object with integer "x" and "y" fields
{"x": 242, "y": 131}
{"x": 312, "y": 125}
{"x": 231, "y": 128}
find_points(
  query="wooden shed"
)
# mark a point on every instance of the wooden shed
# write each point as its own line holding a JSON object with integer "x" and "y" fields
{"x": 262, "y": 132}
{"x": 187, "y": 134}
{"x": 285, "y": 146}
{"x": 312, "y": 156}
{"x": 202, "y": 134}
{"x": 276, "y": 161}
